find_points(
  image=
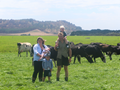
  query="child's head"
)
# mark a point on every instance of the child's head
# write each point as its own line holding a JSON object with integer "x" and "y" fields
{"x": 62, "y": 28}
{"x": 47, "y": 56}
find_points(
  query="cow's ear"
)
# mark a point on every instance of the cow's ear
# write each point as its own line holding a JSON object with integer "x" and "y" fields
{"x": 78, "y": 47}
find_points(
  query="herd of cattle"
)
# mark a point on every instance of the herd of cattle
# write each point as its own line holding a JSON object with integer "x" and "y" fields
{"x": 89, "y": 51}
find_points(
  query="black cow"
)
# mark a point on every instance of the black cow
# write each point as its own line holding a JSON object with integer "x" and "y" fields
{"x": 97, "y": 43}
{"x": 79, "y": 50}
{"x": 108, "y": 49}
{"x": 95, "y": 51}
{"x": 117, "y": 50}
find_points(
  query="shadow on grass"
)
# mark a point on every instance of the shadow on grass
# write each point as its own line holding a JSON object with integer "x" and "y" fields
{"x": 9, "y": 72}
{"x": 7, "y": 85}
{"x": 48, "y": 81}
{"x": 28, "y": 78}
{"x": 20, "y": 84}
{"x": 85, "y": 77}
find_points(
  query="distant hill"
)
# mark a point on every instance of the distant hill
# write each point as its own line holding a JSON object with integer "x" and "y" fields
{"x": 26, "y": 25}
{"x": 35, "y": 32}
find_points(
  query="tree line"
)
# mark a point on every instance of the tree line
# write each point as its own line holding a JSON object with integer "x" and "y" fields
{"x": 96, "y": 32}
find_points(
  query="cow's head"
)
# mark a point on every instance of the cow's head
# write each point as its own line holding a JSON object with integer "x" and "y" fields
{"x": 89, "y": 59}
{"x": 103, "y": 58}
{"x": 18, "y": 44}
{"x": 71, "y": 44}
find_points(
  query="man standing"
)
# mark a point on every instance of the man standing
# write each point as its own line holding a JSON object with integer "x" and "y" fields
{"x": 62, "y": 56}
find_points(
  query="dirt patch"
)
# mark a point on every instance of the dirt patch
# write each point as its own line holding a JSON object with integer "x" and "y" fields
{"x": 35, "y": 32}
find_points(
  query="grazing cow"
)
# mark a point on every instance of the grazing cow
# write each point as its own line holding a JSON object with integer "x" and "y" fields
{"x": 117, "y": 50}
{"x": 97, "y": 43}
{"x": 24, "y": 47}
{"x": 77, "y": 51}
{"x": 95, "y": 52}
{"x": 108, "y": 49}
{"x": 72, "y": 44}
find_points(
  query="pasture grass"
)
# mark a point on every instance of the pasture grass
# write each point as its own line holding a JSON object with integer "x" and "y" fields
{"x": 16, "y": 72}
{"x": 9, "y": 43}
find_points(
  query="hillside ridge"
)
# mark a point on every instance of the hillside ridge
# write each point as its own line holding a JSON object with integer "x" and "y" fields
{"x": 26, "y": 25}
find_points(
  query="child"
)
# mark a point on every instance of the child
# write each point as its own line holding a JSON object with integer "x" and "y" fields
{"x": 43, "y": 54}
{"x": 47, "y": 66}
{"x": 65, "y": 37}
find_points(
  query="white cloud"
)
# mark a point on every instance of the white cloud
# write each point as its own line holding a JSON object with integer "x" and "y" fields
{"x": 85, "y": 13}
{"x": 54, "y": 3}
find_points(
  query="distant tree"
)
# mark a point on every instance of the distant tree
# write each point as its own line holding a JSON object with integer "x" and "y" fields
{"x": 96, "y": 32}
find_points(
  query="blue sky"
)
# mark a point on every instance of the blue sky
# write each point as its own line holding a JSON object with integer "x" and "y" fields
{"x": 88, "y": 14}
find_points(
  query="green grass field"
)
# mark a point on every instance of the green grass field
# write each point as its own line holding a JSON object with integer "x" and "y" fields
{"x": 16, "y": 72}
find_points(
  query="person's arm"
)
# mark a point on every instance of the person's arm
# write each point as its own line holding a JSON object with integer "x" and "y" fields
{"x": 55, "y": 47}
{"x": 65, "y": 34}
{"x": 36, "y": 51}
{"x": 65, "y": 37}
{"x": 39, "y": 55}
{"x": 47, "y": 48}
{"x": 42, "y": 55}
{"x": 70, "y": 54}
{"x": 51, "y": 65}
{"x": 57, "y": 42}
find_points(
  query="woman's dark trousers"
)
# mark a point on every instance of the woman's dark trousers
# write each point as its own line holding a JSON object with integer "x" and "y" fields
{"x": 37, "y": 69}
